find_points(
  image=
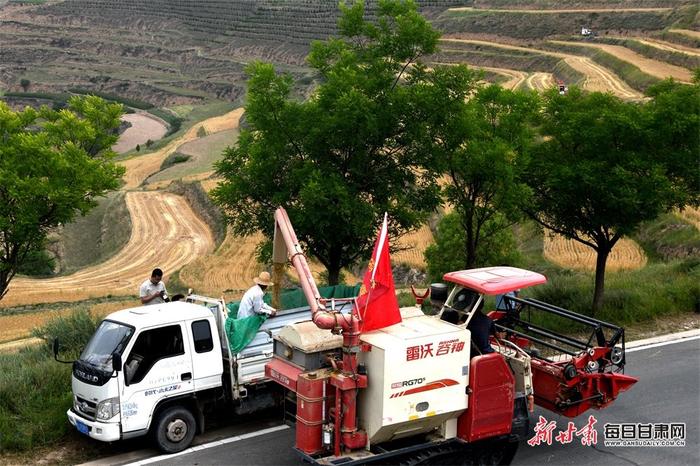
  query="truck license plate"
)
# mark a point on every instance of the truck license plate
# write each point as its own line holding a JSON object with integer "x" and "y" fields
{"x": 82, "y": 428}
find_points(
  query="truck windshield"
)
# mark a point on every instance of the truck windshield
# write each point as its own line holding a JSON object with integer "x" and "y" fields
{"x": 109, "y": 338}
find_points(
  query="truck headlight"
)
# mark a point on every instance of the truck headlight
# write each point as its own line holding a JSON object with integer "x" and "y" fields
{"x": 107, "y": 409}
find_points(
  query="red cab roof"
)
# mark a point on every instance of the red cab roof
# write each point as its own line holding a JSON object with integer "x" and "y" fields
{"x": 495, "y": 280}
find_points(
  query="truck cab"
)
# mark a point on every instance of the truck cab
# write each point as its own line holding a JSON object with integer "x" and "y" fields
{"x": 148, "y": 369}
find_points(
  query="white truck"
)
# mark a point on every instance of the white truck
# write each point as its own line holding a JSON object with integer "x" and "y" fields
{"x": 157, "y": 369}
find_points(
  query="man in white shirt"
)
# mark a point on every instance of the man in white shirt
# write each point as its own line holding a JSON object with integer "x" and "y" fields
{"x": 153, "y": 290}
{"x": 252, "y": 302}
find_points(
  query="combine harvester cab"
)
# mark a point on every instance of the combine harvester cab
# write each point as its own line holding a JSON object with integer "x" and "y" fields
{"x": 570, "y": 374}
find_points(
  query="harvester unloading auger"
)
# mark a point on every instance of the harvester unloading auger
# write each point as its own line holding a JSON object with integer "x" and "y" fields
{"x": 410, "y": 392}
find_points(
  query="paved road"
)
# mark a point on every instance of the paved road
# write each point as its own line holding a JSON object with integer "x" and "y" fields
{"x": 669, "y": 378}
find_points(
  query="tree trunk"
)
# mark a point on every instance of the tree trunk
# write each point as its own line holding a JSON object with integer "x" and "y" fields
{"x": 470, "y": 241}
{"x": 333, "y": 275}
{"x": 601, "y": 260}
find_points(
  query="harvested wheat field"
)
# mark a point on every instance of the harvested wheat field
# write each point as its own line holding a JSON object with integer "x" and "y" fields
{"x": 692, "y": 215}
{"x": 19, "y": 326}
{"x": 540, "y": 81}
{"x": 416, "y": 242}
{"x": 671, "y": 47}
{"x": 230, "y": 269}
{"x": 626, "y": 255}
{"x": 166, "y": 233}
{"x": 141, "y": 167}
{"x": 652, "y": 67}
{"x": 598, "y": 78}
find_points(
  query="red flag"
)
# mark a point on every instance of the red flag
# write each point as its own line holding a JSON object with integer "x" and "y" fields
{"x": 377, "y": 304}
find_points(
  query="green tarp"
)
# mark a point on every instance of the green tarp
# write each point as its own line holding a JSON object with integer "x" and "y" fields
{"x": 242, "y": 331}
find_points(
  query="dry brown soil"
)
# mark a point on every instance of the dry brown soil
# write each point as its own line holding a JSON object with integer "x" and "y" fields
{"x": 143, "y": 127}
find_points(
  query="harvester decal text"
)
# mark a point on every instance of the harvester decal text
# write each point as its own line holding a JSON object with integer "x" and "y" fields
{"x": 427, "y": 387}
{"x": 427, "y": 351}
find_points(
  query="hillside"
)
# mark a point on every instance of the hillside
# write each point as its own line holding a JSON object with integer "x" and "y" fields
{"x": 183, "y": 56}
{"x": 185, "y": 52}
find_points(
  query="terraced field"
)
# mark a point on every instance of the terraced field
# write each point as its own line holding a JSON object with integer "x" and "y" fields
{"x": 626, "y": 255}
{"x": 141, "y": 167}
{"x": 597, "y": 77}
{"x": 186, "y": 52}
{"x": 166, "y": 233}
{"x": 18, "y": 326}
{"x": 655, "y": 68}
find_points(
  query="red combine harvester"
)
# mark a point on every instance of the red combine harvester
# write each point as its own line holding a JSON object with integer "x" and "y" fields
{"x": 410, "y": 392}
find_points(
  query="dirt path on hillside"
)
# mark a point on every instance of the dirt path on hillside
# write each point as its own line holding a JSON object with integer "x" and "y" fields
{"x": 598, "y": 78}
{"x": 663, "y": 45}
{"x": 626, "y": 255}
{"x": 141, "y": 167}
{"x": 559, "y": 11}
{"x": 166, "y": 233}
{"x": 655, "y": 68}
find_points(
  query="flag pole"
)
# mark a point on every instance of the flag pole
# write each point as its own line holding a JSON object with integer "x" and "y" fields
{"x": 382, "y": 238}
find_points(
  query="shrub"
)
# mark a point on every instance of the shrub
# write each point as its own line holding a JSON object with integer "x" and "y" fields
{"x": 174, "y": 159}
{"x": 73, "y": 331}
{"x": 35, "y": 390}
{"x": 37, "y": 263}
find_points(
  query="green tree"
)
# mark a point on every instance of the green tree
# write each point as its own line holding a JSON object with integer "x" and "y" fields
{"x": 53, "y": 165}
{"x": 447, "y": 254}
{"x": 478, "y": 137}
{"x": 673, "y": 126}
{"x": 597, "y": 174}
{"x": 25, "y": 83}
{"x": 337, "y": 161}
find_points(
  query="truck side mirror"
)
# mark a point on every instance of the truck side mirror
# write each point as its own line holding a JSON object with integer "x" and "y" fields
{"x": 56, "y": 346}
{"x": 116, "y": 362}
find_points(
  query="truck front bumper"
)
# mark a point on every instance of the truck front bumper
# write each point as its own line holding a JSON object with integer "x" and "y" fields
{"x": 98, "y": 430}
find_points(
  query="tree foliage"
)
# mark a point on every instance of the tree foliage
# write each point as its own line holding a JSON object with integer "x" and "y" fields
{"x": 339, "y": 160}
{"x": 604, "y": 166}
{"x": 447, "y": 254}
{"x": 478, "y": 137}
{"x": 53, "y": 165}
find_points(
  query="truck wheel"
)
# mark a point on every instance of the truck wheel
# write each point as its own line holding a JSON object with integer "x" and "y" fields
{"x": 174, "y": 430}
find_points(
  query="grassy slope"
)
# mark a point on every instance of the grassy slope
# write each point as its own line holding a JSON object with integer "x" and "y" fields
{"x": 97, "y": 236}
{"x": 203, "y": 153}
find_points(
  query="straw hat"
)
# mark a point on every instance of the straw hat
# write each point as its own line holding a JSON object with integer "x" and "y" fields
{"x": 263, "y": 279}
